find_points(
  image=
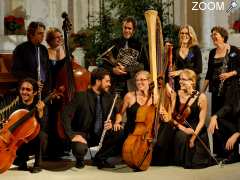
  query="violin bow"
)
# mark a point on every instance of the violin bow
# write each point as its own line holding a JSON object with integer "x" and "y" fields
{"x": 196, "y": 93}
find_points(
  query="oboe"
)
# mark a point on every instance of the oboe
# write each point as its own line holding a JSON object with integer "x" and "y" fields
{"x": 223, "y": 69}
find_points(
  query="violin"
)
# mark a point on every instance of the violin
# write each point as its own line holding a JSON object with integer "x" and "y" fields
{"x": 185, "y": 111}
{"x": 21, "y": 127}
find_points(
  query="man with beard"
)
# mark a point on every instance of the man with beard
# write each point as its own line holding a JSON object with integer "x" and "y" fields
{"x": 85, "y": 117}
{"x": 28, "y": 89}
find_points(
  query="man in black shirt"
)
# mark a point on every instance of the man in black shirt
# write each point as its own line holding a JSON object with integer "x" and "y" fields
{"x": 28, "y": 89}
{"x": 130, "y": 57}
{"x": 85, "y": 117}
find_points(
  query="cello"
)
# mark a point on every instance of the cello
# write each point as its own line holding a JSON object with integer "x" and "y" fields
{"x": 21, "y": 127}
{"x": 138, "y": 147}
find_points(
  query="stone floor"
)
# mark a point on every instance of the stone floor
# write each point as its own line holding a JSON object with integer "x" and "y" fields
{"x": 64, "y": 170}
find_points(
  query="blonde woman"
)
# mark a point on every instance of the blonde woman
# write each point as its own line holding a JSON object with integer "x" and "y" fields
{"x": 188, "y": 55}
{"x": 133, "y": 100}
{"x": 186, "y": 149}
{"x": 57, "y": 59}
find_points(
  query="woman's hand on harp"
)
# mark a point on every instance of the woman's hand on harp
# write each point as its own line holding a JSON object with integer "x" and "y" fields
{"x": 164, "y": 114}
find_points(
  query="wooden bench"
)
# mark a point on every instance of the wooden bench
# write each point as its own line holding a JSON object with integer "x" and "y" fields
{"x": 7, "y": 82}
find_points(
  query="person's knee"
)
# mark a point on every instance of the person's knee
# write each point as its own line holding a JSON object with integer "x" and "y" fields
{"x": 79, "y": 149}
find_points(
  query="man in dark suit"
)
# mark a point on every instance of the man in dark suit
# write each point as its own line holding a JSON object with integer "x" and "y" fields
{"x": 84, "y": 123}
{"x": 30, "y": 58}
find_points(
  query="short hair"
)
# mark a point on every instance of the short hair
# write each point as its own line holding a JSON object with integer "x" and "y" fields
{"x": 193, "y": 37}
{"x": 222, "y": 31}
{"x": 32, "y": 27}
{"x": 132, "y": 20}
{"x": 33, "y": 82}
{"x": 191, "y": 75}
{"x": 50, "y": 34}
{"x": 98, "y": 74}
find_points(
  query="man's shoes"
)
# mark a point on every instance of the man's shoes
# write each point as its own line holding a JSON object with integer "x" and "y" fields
{"x": 23, "y": 166}
{"x": 36, "y": 169}
{"x": 104, "y": 164}
{"x": 80, "y": 164}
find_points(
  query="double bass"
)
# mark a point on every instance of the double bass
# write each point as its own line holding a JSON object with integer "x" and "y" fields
{"x": 138, "y": 147}
{"x": 73, "y": 77}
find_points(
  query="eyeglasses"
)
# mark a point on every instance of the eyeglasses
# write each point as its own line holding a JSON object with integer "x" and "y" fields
{"x": 183, "y": 79}
{"x": 184, "y": 33}
{"x": 141, "y": 80}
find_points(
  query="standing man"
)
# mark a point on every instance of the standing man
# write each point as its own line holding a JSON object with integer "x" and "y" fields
{"x": 130, "y": 57}
{"x": 84, "y": 119}
{"x": 30, "y": 58}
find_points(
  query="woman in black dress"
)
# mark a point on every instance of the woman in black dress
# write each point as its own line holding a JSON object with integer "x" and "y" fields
{"x": 132, "y": 101}
{"x": 223, "y": 67}
{"x": 57, "y": 58}
{"x": 187, "y": 151}
{"x": 188, "y": 55}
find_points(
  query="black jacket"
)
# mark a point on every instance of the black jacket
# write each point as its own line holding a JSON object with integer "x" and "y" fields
{"x": 25, "y": 61}
{"x": 79, "y": 115}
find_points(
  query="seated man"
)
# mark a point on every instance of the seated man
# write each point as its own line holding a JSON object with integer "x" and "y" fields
{"x": 225, "y": 126}
{"x": 84, "y": 119}
{"x": 28, "y": 91}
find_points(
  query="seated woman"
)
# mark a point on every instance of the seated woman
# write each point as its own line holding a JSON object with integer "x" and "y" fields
{"x": 132, "y": 101}
{"x": 185, "y": 149}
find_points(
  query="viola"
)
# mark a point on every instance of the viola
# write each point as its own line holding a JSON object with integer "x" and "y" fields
{"x": 21, "y": 127}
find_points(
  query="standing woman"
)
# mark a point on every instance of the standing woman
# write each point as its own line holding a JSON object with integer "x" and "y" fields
{"x": 188, "y": 55}
{"x": 57, "y": 58}
{"x": 56, "y": 52}
{"x": 223, "y": 72}
{"x": 186, "y": 148}
{"x": 223, "y": 67}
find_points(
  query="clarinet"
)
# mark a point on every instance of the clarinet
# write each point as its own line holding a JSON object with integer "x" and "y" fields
{"x": 223, "y": 69}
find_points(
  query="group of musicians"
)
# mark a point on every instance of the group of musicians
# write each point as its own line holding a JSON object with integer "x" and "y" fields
{"x": 182, "y": 137}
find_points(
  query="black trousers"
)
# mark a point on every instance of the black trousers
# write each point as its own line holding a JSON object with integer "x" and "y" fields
{"x": 33, "y": 147}
{"x": 220, "y": 137}
{"x": 111, "y": 146}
